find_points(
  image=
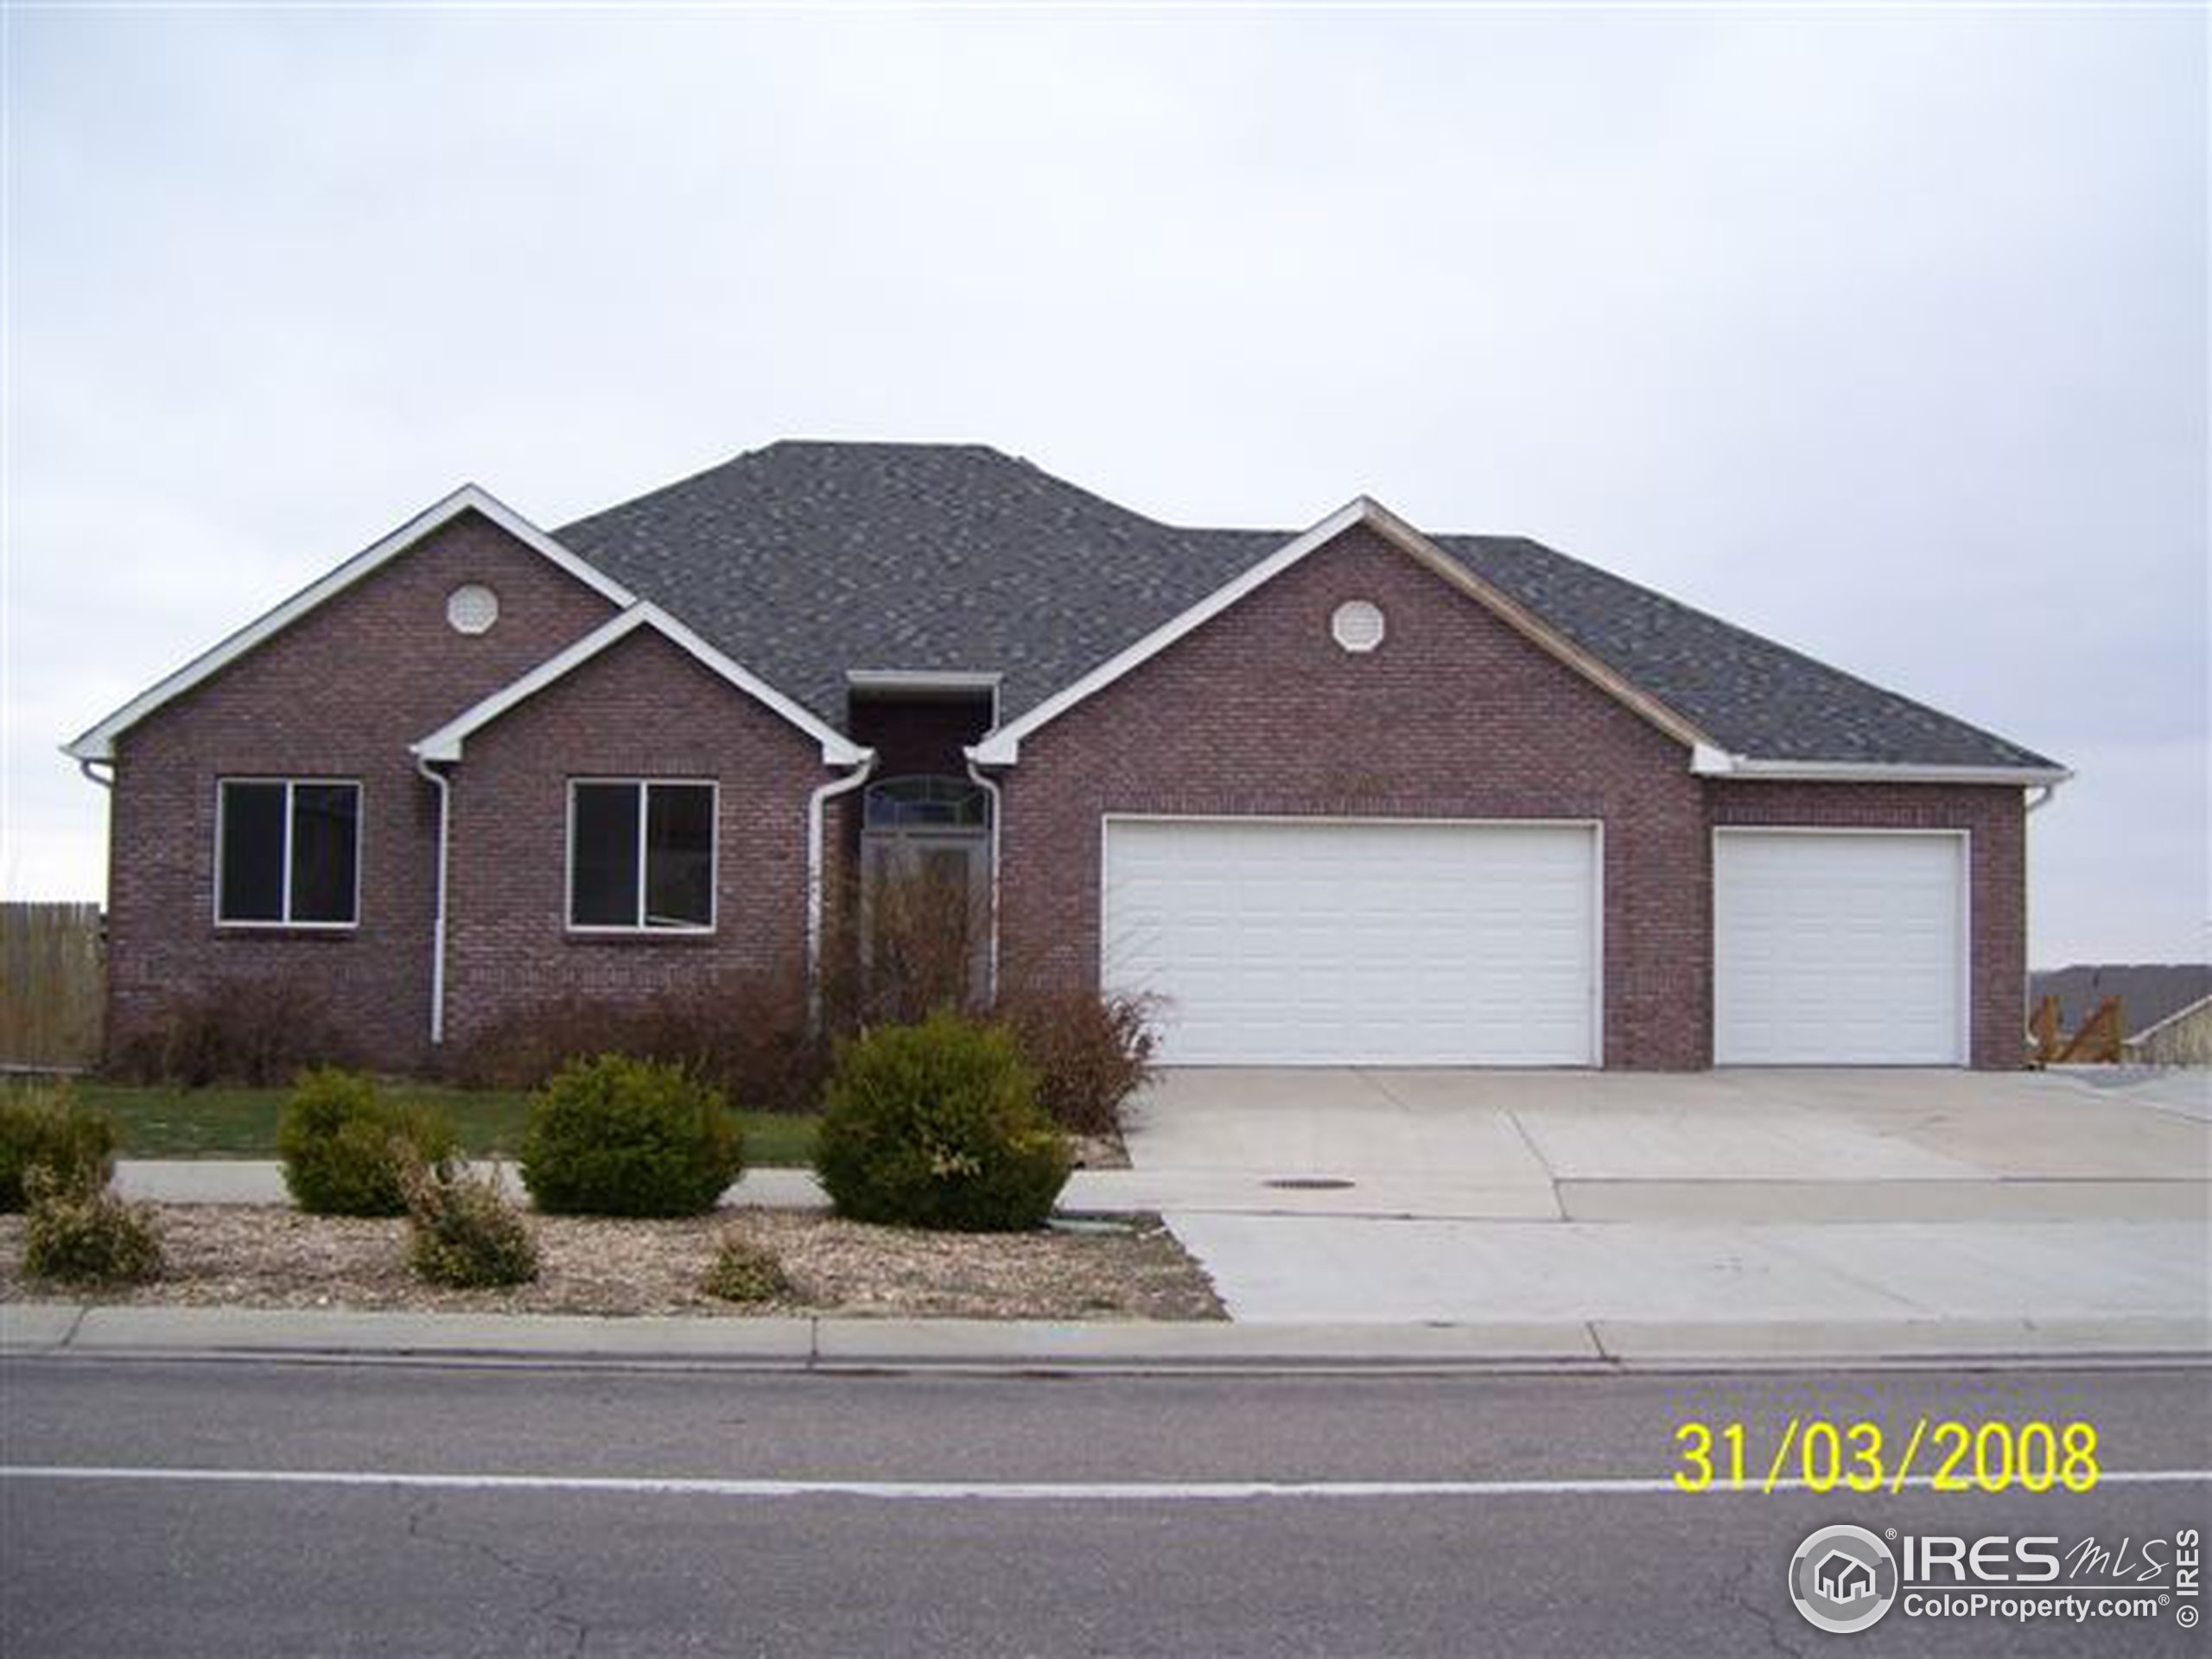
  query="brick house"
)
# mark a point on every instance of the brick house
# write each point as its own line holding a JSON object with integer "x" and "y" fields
{"x": 1359, "y": 794}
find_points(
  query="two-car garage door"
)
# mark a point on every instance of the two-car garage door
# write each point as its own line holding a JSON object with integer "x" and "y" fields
{"x": 1321, "y": 943}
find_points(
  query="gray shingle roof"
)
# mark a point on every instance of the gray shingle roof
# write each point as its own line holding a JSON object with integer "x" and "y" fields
{"x": 805, "y": 560}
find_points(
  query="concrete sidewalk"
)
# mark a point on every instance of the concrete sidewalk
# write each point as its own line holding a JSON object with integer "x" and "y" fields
{"x": 260, "y": 1180}
{"x": 61, "y": 1330}
{"x": 1089, "y": 1192}
{"x": 1104, "y": 1193}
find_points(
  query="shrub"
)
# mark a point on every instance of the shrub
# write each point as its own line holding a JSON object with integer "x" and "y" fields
{"x": 344, "y": 1146}
{"x": 936, "y": 1125}
{"x": 45, "y": 1128}
{"x": 614, "y": 1136}
{"x": 745, "y": 1272}
{"x": 1090, "y": 1053}
{"x": 746, "y": 1034}
{"x": 901, "y": 949}
{"x": 80, "y": 1233}
{"x": 462, "y": 1232}
{"x": 254, "y": 1031}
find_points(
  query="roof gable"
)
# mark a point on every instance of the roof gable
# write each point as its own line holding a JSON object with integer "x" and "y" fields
{"x": 1003, "y": 747}
{"x": 447, "y": 742}
{"x": 98, "y": 743}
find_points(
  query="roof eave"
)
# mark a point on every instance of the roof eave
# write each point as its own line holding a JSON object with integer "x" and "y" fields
{"x": 97, "y": 743}
{"x": 446, "y": 744}
{"x": 1708, "y": 761}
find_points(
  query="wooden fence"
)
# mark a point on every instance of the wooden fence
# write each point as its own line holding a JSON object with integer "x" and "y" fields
{"x": 52, "y": 985}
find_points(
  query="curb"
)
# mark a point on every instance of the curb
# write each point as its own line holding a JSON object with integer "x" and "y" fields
{"x": 30, "y": 1330}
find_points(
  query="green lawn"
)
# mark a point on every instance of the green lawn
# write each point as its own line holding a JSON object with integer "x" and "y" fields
{"x": 216, "y": 1122}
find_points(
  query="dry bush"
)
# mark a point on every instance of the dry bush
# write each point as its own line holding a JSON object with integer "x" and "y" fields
{"x": 254, "y": 1031}
{"x": 45, "y": 1128}
{"x": 743, "y": 1271}
{"x": 746, "y": 1034}
{"x": 1089, "y": 1052}
{"x": 911, "y": 950}
{"x": 463, "y": 1231}
{"x": 79, "y": 1232}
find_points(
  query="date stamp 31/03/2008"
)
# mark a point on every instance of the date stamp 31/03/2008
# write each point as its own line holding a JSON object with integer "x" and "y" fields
{"x": 1821, "y": 1455}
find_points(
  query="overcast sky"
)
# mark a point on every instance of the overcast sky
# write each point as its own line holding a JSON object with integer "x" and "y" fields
{"x": 1882, "y": 332}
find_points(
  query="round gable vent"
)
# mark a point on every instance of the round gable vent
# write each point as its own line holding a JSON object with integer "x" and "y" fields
{"x": 1356, "y": 626}
{"x": 472, "y": 608}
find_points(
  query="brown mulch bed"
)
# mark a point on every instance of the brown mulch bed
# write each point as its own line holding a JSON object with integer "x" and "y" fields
{"x": 265, "y": 1255}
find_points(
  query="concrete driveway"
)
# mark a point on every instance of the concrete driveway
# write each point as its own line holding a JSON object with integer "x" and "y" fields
{"x": 1729, "y": 1196}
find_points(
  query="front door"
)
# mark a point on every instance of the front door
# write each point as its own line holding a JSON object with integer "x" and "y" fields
{"x": 924, "y": 895}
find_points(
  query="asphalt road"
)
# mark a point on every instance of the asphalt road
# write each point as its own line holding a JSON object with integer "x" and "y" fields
{"x": 986, "y": 1516}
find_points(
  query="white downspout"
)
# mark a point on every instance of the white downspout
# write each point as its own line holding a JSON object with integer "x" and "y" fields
{"x": 991, "y": 953}
{"x": 817, "y": 811}
{"x": 91, "y": 777}
{"x": 438, "y": 921}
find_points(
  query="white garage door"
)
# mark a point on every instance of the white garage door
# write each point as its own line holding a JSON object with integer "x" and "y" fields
{"x": 1838, "y": 949}
{"x": 1279, "y": 942}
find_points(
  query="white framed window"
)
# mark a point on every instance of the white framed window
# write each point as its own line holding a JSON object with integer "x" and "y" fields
{"x": 642, "y": 854}
{"x": 288, "y": 852}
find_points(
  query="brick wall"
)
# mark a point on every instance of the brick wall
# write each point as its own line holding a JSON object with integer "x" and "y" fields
{"x": 916, "y": 736}
{"x": 642, "y": 709}
{"x": 340, "y": 693}
{"x": 1455, "y": 716}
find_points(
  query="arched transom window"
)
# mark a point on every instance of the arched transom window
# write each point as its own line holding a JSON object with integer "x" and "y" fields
{"x": 927, "y": 803}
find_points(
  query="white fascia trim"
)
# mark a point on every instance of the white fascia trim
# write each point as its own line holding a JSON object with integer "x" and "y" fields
{"x": 1004, "y": 747}
{"x": 920, "y": 679}
{"x": 1709, "y": 762}
{"x": 99, "y": 743}
{"x": 446, "y": 743}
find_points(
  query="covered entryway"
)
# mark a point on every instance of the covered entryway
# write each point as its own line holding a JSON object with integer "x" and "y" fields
{"x": 1371, "y": 942}
{"x": 1839, "y": 947}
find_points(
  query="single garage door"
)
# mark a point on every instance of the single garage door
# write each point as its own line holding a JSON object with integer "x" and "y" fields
{"x": 1292, "y": 943}
{"x": 1839, "y": 948}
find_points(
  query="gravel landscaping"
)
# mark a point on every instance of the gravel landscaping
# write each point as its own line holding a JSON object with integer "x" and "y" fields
{"x": 256, "y": 1255}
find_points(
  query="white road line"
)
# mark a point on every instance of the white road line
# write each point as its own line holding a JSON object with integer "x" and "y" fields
{"x": 982, "y": 1490}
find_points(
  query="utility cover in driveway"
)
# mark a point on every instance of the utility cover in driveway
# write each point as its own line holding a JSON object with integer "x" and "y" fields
{"x": 1370, "y": 943}
{"x": 1839, "y": 948}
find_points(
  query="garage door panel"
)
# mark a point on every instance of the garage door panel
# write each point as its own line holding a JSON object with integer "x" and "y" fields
{"x": 1838, "y": 949}
{"x": 1288, "y": 943}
